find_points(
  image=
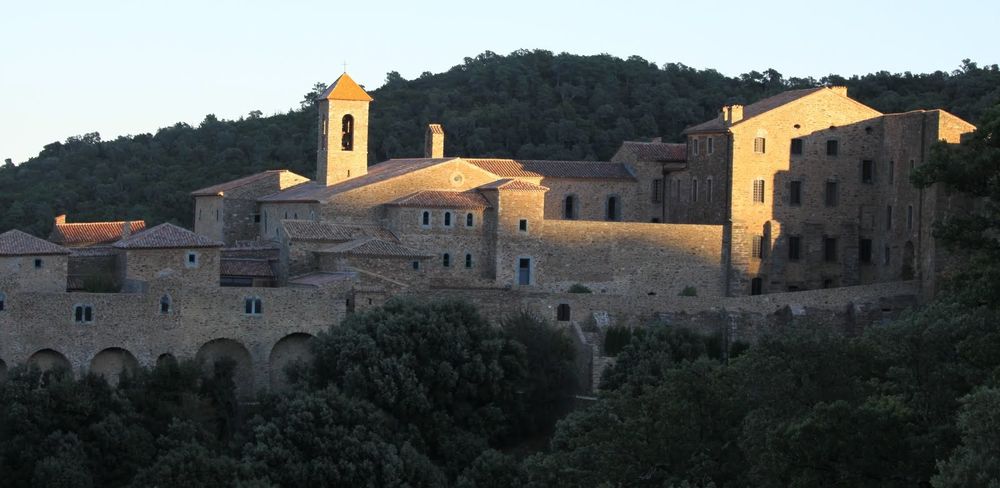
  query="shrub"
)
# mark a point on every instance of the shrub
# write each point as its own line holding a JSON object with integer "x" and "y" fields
{"x": 578, "y": 288}
{"x": 615, "y": 339}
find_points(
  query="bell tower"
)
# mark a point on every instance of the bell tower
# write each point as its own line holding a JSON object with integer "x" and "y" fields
{"x": 342, "y": 152}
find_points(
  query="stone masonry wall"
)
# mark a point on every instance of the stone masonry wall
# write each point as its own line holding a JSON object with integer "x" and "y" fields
{"x": 20, "y": 273}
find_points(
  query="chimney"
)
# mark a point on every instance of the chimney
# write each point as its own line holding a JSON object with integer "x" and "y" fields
{"x": 126, "y": 229}
{"x": 60, "y": 219}
{"x": 839, "y": 90}
{"x": 434, "y": 141}
{"x": 732, "y": 114}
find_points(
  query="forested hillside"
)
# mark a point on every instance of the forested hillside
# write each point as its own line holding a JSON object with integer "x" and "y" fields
{"x": 530, "y": 104}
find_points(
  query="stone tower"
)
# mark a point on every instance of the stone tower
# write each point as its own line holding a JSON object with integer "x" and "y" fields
{"x": 342, "y": 152}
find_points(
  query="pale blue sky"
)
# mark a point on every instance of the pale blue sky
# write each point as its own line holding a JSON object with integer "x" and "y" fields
{"x": 125, "y": 67}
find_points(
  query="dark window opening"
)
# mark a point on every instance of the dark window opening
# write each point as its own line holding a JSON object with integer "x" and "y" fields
{"x": 83, "y": 314}
{"x": 711, "y": 145}
{"x": 795, "y": 193}
{"x": 524, "y": 271}
{"x": 253, "y": 306}
{"x": 347, "y": 131}
{"x": 909, "y": 217}
{"x": 468, "y": 260}
{"x": 865, "y": 251}
{"x": 657, "y": 190}
{"x": 469, "y": 220}
{"x": 3, "y": 300}
{"x": 694, "y": 190}
{"x": 892, "y": 172}
{"x": 256, "y": 218}
{"x": 425, "y": 220}
{"x": 447, "y": 219}
{"x": 832, "y": 147}
{"x": 886, "y": 256}
{"x": 830, "y": 249}
{"x": 794, "y": 247}
{"x": 562, "y": 312}
{"x": 165, "y": 304}
{"x": 867, "y": 171}
{"x": 796, "y": 147}
{"x": 831, "y": 193}
{"x": 38, "y": 263}
{"x": 888, "y": 217}
{"x": 569, "y": 207}
{"x": 446, "y": 260}
{"x": 614, "y": 213}
{"x": 655, "y": 220}
{"x": 416, "y": 265}
{"x": 522, "y": 225}
{"x": 756, "y": 286}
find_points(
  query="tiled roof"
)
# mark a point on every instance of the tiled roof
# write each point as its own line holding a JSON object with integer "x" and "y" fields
{"x": 513, "y": 185}
{"x": 320, "y": 278}
{"x": 657, "y": 151}
{"x": 222, "y": 188}
{"x": 17, "y": 243}
{"x": 315, "y": 192}
{"x": 165, "y": 236}
{"x": 754, "y": 109}
{"x": 510, "y": 168}
{"x": 93, "y": 251}
{"x": 246, "y": 267}
{"x": 442, "y": 199}
{"x": 91, "y": 233}
{"x": 345, "y": 89}
{"x": 372, "y": 247}
{"x": 308, "y": 230}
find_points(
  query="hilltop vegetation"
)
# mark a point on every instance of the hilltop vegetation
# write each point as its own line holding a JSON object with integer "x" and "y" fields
{"x": 528, "y": 104}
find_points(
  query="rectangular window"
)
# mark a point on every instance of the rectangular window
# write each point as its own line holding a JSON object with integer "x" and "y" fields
{"x": 831, "y": 193}
{"x": 416, "y": 265}
{"x": 832, "y": 147}
{"x": 708, "y": 190}
{"x": 758, "y": 247}
{"x": 888, "y": 217}
{"x": 794, "y": 247}
{"x": 38, "y": 263}
{"x": 886, "y": 257}
{"x": 711, "y": 145}
{"x": 694, "y": 189}
{"x": 657, "y": 190}
{"x": 795, "y": 193}
{"x": 796, "y": 147}
{"x": 830, "y": 249}
{"x": 909, "y": 217}
{"x": 865, "y": 251}
{"x": 3, "y": 299}
{"x": 758, "y": 145}
{"x": 867, "y": 171}
{"x": 758, "y": 191}
{"x": 892, "y": 172}
{"x": 694, "y": 145}
{"x": 468, "y": 260}
{"x": 524, "y": 271}
{"x": 256, "y": 218}
{"x": 522, "y": 225}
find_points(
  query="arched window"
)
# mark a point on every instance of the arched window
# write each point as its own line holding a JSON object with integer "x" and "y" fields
{"x": 562, "y": 312}
{"x": 446, "y": 260}
{"x": 347, "y": 139}
{"x": 569, "y": 207}
{"x": 425, "y": 219}
{"x": 253, "y": 306}
{"x": 470, "y": 220}
{"x": 613, "y": 213}
{"x": 83, "y": 314}
{"x": 468, "y": 260}
{"x": 447, "y": 219}
{"x": 165, "y": 304}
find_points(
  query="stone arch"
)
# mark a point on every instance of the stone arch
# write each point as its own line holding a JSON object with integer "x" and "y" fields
{"x": 49, "y": 360}
{"x": 291, "y": 349}
{"x": 112, "y": 363}
{"x": 219, "y": 349}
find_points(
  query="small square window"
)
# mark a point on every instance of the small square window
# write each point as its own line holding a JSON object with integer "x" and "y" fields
{"x": 832, "y": 147}
{"x": 192, "y": 260}
{"x": 522, "y": 225}
{"x": 796, "y": 147}
{"x": 38, "y": 263}
{"x": 416, "y": 265}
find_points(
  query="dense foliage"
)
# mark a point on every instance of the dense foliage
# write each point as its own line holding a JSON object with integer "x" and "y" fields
{"x": 528, "y": 104}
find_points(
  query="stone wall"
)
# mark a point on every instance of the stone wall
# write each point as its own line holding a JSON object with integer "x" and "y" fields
{"x": 591, "y": 198}
{"x": 145, "y": 265}
{"x": 20, "y": 273}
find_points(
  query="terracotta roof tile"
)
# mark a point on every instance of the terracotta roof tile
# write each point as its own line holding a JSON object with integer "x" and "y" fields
{"x": 315, "y": 192}
{"x": 372, "y": 247}
{"x": 509, "y": 168}
{"x": 308, "y": 230}
{"x": 259, "y": 268}
{"x": 166, "y": 236}
{"x": 442, "y": 199}
{"x": 222, "y": 188}
{"x": 320, "y": 278}
{"x": 17, "y": 243}
{"x": 513, "y": 185}
{"x": 80, "y": 234}
{"x": 754, "y": 109}
{"x": 345, "y": 88}
{"x": 657, "y": 151}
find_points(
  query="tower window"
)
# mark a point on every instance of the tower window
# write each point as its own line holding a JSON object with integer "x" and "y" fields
{"x": 694, "y": 145}
{"x": 758, "y": 191}
{"x": 569, "y": 207}
{"x": 867, "y": 171}
{"x": 165, "y": 304}
{"x": 446, "y": 260}
{"x": 447, "y": 219}
{"x": 831, "y": 193}
{"x": 470, "y": 219}
{"x": 562, "y": 311}
{"x": 796, "y": 147}
{"x": 795, "y": 193}
{"x": 832, "y": 147}
{"x": 830, "y": 249}
{"x": 468, "y": 260}
{"x": 347, "y": 131}
{"x": 865, "y": 251}
{"x": 758, "y": 247}
{"x": 694, "y": 189}
{"x": 711, "y": 145}
{"x": 794, "y": 247}
{"x": 253, "y": 306}
{"x": 613, "y": 212}
{"x": 758, "y": 145}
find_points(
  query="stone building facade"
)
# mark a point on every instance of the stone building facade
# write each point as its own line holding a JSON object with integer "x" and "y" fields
{"x": 756, "y": 201}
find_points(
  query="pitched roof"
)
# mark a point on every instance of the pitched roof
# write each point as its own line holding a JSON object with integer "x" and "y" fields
{"x": 509, "y": 168}
{"x": 166, "y": 236}
{"x": 320, "y": 278}
{"x": 755, "y": 109}
{"x": 17, "y": 243}
{"x": 513, "y": 185}
{"x": 91, "y": 233}
{"x": 308, "y": 230}
{"x": 246, "y": 267}
{"x": 345, "y": 89}
{"x": 315, "y": 192}
{"x": 372, "y": 247}
{"x": 222, "y": 188}
{"x": 657, "y": 151}
{"x": 442, "y": 199}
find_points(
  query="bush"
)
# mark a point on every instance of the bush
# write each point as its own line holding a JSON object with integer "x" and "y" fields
{"x": 579, "y": 288}
{"x": 615, "y": 339}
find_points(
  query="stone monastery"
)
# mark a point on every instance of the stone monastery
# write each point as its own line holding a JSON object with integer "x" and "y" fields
{"x": 805, "y": 190}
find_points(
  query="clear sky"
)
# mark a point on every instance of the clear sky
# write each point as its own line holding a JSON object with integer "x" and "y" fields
{"x": 68, "y": 67}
